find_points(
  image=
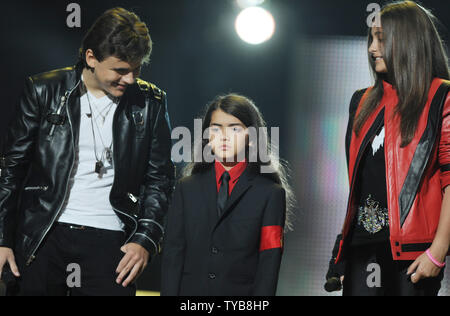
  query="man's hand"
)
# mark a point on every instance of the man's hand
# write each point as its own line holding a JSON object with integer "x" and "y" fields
{"x": 134, "y": 262}
{"x": 7, "y": 255}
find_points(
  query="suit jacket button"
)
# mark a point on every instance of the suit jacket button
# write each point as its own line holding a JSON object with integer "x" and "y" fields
{"x": 212, "y": 276}
{"x": 214, "y": 250}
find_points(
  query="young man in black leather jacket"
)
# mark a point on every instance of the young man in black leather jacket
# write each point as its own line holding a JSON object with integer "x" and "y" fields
{"x": 86, "y": 174}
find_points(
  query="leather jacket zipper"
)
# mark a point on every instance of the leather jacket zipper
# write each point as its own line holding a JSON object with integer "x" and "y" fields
{"x": 66, "y": 99}
{"x": 37, "y": 188}
{"x": 135, "y": 200}
{"x": 131, "y": 196}
{"x": 63, "y": 102}
{"x": 135, "y": 224}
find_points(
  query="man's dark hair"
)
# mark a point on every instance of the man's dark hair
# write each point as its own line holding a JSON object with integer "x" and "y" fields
{"x": 119, "y": 33}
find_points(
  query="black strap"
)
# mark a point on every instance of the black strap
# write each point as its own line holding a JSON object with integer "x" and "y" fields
{"x": 356, "y": 99}
{"x": 422, "y": 153}
{"x": 445, "y": 168}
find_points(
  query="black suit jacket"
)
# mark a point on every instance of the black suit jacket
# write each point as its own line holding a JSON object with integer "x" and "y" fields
{"x": 207, "y": 255}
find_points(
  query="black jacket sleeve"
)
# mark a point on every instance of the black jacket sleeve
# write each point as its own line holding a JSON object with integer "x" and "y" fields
{"x": 158, "y": 182}
{"x": 174, "y": 247}
{"x": 356, "y": 98}
{"x": 271, "y": 249}
{"x": 16, "y": 158}
{"x": 337, "y": 270}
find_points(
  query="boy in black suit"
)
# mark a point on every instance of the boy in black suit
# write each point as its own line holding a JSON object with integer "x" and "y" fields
{"x": 224, "y": 234}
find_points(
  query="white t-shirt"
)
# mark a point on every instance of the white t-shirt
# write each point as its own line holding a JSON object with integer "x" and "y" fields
{"x": 87, "y": 202}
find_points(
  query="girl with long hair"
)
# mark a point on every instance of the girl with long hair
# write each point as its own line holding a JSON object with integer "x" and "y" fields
{"x": 224, "y": 232}
{"x": 396, "y": 233}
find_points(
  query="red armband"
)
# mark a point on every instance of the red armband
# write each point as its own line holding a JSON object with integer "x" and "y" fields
{"x": 271, "y": 237}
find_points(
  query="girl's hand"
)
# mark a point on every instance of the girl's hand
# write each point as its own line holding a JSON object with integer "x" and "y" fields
{"x": 423, "y": 268}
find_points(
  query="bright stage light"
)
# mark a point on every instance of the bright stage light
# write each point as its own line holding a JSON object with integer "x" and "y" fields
{"x": 249, "y": 3}
{"x": 255, "y": 25}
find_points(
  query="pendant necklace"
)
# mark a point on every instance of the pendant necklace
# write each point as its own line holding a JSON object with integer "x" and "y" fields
{"x": 107, "y": 154}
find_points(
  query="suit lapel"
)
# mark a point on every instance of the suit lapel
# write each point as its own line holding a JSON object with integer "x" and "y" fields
{"x": 242, "y": 185}
{"x": 209, "y": 194}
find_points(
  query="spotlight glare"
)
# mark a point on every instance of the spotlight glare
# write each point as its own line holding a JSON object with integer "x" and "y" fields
{"x": 255, "y": 25}
{"x": 249, "y": 3}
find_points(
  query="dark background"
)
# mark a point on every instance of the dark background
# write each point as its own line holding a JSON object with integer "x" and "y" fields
{"x": 196, "y": 54}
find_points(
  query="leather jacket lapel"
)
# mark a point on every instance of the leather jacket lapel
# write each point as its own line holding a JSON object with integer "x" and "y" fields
{"x": 422, "y": 154}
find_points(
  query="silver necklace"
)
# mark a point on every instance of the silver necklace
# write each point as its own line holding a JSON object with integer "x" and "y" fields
{"x": 107, "y": 154}
{"x": 107, "y": 108}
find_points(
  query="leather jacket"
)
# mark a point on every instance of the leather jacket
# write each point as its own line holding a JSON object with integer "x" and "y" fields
{"x": 416, "y": 175}
{"x": 39, "y": 156}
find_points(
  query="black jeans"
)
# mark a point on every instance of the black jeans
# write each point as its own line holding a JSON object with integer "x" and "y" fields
{"x": 361, "y": 274}
{"x": 76, "y": 262}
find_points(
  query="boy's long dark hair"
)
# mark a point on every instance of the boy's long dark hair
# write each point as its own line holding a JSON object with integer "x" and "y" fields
{"x": 119, "y": 33}
{"x": 414, "y": 55}
{"x": 245, "y": 110}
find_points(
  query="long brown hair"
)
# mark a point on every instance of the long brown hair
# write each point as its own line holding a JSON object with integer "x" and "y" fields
{"x": 414, "y": 54}
{"x": 248, "y": 113}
